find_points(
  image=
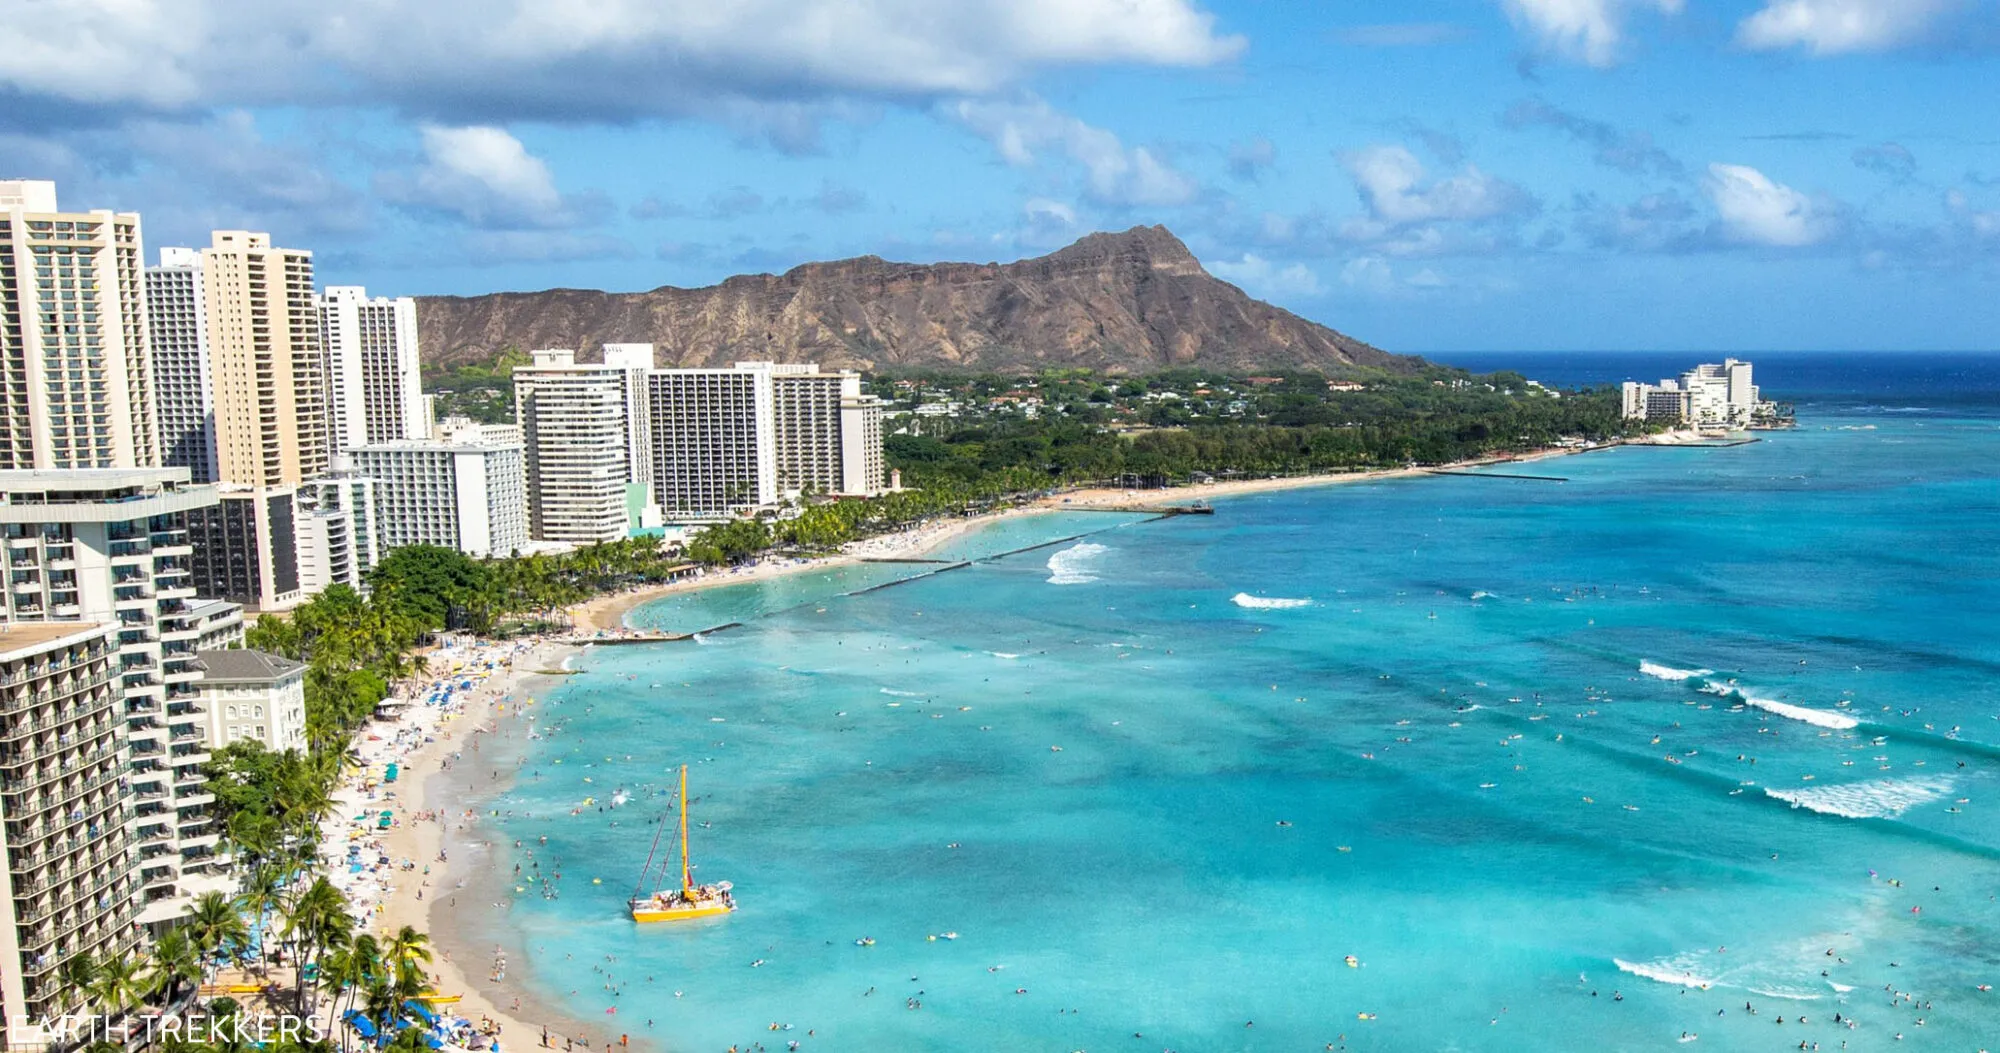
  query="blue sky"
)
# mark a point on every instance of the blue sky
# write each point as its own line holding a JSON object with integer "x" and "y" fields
{"x": 1452, "y": 174}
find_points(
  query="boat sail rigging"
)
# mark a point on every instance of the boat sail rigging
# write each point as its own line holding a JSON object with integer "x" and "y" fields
{"x": 688, "y": 901}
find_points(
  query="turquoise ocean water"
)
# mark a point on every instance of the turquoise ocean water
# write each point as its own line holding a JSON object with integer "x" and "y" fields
{"x": 1489, "y": 737}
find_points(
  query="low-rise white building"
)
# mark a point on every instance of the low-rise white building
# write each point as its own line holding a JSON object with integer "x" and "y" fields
{"x": 254, "y": 695}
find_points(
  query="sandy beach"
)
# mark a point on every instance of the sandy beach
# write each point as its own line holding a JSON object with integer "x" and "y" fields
{"x": 606, "y": 614}
{"x": 440, "y": 729}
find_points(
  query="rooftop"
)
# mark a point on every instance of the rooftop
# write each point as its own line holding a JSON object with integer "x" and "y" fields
{"x": 239, "y": 665}
{"x": 22, "y": 638}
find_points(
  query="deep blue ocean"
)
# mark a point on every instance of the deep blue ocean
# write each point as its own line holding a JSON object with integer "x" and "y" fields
{"x": 1438, "y": 763}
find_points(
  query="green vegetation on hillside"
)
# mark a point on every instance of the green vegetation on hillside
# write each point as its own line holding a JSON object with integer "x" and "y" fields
{"x": 483, "y": 391}
{"x": 964, "y": 443}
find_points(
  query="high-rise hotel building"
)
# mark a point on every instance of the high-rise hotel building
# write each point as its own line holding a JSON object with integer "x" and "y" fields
{"x": 75, "y": 381}
{"x": 729, "y": 439}
{"x": 584, "y": 436}
{"x": 712, "y": 434}
{"x": 268, "y": 374}
{"x": 177, "y": 331}
{"x": 264, "y": 351}
{"x": 374, "y": 378}
{"x": 67, "y": 885}
{"x": 828, "y": 434}
{"x": 462, "y": 495}
{"x": 111, "y": 547}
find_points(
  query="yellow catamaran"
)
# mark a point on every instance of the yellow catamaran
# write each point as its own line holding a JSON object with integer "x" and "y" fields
{"x": 688, "y": 901}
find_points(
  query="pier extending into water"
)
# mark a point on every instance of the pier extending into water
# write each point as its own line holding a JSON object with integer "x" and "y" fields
{"x": 1499, "y": 475}
{"x": 1197, "y": 508}
{"x": 640, "y": 636}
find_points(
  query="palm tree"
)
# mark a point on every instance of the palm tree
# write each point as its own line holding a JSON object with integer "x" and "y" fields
{"x": 348, "y": 970}
{"x": 175, "y": 962}
{"x": 406, "y": 948}
{"x": 118, "y": 985}
{"x": 316, "y": 921}
{"x": 78, "y": 974}
{"x": 215, "y": 928}
{"x": 262, "y": 891}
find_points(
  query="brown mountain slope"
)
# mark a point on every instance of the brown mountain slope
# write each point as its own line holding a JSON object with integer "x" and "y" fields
{"x": 1130, "y": 302}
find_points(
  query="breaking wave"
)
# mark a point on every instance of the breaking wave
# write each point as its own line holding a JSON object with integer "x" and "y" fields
{"x": 1665, "y": 672}
{"x": 1678, "y": 971}
{"x": 1072, "y": 566}
{"x": 1880, "y": 799}
{"x": 1816, "y": 717}
{"x": 1268, "y": 603}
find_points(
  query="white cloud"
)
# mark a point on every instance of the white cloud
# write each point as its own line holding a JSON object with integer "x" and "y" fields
{"x": 482, "y": 174}
{"x": 1393, "y": 187}
{"x": 1041, "y": 209}
{"x": 1114, "y": 173}
{"x": 1757, "y": 211}
{"x": 472, "y": 61}
{"x": 190, "y": 177}
{"x": 1833, "y": 27}
{"x": 1265, "y": 279}
{"x": 1375, "y": 276}
{"x": 1590, "y": 31}
{"x": 1980, "y": 224}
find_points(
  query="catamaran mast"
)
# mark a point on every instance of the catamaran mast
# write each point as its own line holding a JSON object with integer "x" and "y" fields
{"x": 687, "y": 869}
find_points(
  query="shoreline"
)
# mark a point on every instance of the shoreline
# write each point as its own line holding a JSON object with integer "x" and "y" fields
{"x": 428, "y": 741}
{"x": 608, "y": 615}
{"x": 446, "y": 732}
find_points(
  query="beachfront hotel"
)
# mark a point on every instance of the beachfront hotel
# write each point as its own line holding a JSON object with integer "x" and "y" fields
{"x": 1707, "y": 396}
{"x": 583, "y": 433}
{"x": 726, "y": 440}
{"x": 712, "y": 436}
{"x": 462, "y": 495}
{"x": 246, "y": 546}
{"x": 74, "y": 375}
{"x": 374, "y": 378}
{"x": 67, "y": 884}
{"x": 828, "y": 435}
{"x": 111, "y": 546}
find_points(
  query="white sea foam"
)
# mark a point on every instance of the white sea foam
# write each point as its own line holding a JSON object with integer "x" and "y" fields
{"x": 1482, "y": 594}
{"x": 1815, "y": 717}
{"x": 1003, "y": 654}
{"x": 1072, "y": 566}
{"x": 1879, "y": 799}
{"x": 1667, "y": 672}
{"x": 1268, "y": 603}
{"x": 1778, "y": 992}
{"x": 903, "y": 694}
{"x": 1678, "y": 971}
